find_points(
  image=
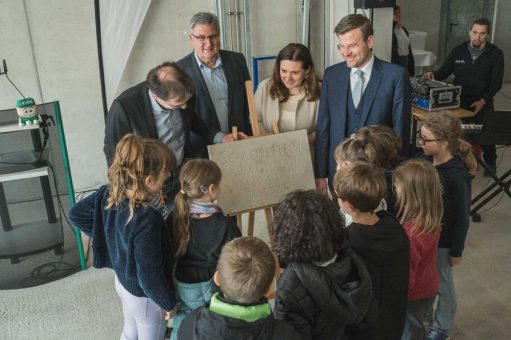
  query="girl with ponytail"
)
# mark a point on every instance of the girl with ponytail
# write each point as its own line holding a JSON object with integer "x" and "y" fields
{"x": 453, "y": 159}
{"x": 130, "y": 235}
{"x": 200, "y": 231}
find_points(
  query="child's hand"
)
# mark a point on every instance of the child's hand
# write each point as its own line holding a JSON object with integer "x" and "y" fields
{"x": 171, "y": 314}
{"x": 455, "y": 260}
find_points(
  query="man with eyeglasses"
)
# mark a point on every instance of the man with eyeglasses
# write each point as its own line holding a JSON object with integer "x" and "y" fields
{"x": 363, "y": 90}
{"x": 159, "y": 108}
{"x": 219, "y": 80}
{"x": 478, "y": 66}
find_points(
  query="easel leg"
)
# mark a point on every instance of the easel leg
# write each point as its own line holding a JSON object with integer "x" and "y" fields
{"x": 239, "y": 221}
{"x": 251, "y": 222}
{"x": 269, "y": 215}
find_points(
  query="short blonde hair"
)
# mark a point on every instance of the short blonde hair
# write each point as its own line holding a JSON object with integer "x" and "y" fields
{"x": 246, "y": 268}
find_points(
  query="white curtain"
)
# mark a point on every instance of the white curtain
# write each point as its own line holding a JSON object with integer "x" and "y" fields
{"x": 120, "y": 23}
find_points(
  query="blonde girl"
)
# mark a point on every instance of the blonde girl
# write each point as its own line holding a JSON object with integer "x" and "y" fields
{"x": 419, "y": 202}
{"x": 453, "y": 159}
{"x": 130, "y": 236}
{"x": 200, "y": 231}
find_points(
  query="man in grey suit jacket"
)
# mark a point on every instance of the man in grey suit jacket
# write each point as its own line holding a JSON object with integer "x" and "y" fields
{"x": 219, "y": 80}
{"x": 361, "y": 91}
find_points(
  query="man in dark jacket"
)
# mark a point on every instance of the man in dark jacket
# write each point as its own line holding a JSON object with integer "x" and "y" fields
{"x": 159, "y": 108}
{"x": 218, "y": 78}
{"x": 246, "y": 268}
{"x": 478, "y": 66}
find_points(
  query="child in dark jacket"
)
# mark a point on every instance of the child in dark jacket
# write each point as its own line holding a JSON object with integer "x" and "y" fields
{"x": 245, "y": 272}
{"x": 418, "y": 191}
{"x": 200, "y": 231}
{"x": 326, "y": 286}
{"x": 382, "y": 244}
{"x": 130, "y": 235}
{"x": 454, "y": 161}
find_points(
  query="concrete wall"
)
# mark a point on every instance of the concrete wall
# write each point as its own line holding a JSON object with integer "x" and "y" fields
{"x": 419, "y": 15}
{"x": 64, "y": 59}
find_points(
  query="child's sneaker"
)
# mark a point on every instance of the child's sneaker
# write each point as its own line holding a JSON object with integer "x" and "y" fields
{"x": 437, "y": 334}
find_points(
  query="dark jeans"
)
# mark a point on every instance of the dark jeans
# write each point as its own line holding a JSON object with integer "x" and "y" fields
{"x": 415, "y": 310}
{"x": 489, "y": 151}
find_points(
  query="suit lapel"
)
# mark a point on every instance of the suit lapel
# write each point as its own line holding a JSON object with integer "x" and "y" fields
{"x": 228, "y": 73}
{"x": 201, "y": 89}
{"x": 342, "y": 81}
{"x": 148, "y": 114}
{"x": 371, "y": 90}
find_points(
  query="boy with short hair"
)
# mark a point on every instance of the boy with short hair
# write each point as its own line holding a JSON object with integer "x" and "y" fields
{"x": 381, "y": 241}
{"x": 245, "y": 272}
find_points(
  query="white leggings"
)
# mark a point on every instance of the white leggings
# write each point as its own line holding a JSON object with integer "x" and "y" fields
{"x": 143, "y": 318}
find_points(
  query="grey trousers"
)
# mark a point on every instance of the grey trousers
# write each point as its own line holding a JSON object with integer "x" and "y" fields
{"x": 447, "y": 304}
{"x": 415, "y": 310}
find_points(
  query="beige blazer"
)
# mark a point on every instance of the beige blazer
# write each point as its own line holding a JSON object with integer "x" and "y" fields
{"x": 268, "y": 110}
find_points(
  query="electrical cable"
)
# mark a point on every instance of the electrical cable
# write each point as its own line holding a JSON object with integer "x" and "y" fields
{"x": 10, "y": 81}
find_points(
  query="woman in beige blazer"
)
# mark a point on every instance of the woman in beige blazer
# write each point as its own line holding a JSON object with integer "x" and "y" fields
{"x": 291, "y": 96}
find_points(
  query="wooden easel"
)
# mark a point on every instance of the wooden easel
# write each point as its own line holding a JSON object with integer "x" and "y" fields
{"x": 256, "y": 132}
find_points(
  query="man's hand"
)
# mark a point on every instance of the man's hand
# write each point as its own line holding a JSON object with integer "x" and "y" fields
{"x": 429, "y": 75}
{"x": 455, "y": 260}
{"x": 171, "y": 314}
{"x": 478, "y": 105}
{"x": 321, "y": 185}
{"x": 230, "y": 137}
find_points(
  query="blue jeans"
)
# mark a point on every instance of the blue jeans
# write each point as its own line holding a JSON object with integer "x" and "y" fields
{"x": 415, "y": 310}
{"x": 446, "y": 303}
{"x": 190, "y": 297}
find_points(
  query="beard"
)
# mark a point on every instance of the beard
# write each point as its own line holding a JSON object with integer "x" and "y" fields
{"x": 477, "y": 45}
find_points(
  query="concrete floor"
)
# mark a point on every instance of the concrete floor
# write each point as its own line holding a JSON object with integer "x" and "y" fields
{"x": 85, "y": 304}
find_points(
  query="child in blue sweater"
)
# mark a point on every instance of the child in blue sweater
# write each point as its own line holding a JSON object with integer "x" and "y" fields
{"x": 200, "y": 231}
{"x": 130, "y": 236}
{"x": 454, "y": 161}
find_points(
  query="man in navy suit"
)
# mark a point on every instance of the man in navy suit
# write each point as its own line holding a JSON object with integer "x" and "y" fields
{"x": 361, "y": 91}
{"x": 219, "y": 80}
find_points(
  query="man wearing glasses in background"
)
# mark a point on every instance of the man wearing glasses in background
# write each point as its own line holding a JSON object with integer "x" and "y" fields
{"x": 363, "y": 90}
{"x": 219, "y": 80}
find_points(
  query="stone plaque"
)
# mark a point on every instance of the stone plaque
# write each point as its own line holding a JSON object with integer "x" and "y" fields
{"x": 258, "y": 172}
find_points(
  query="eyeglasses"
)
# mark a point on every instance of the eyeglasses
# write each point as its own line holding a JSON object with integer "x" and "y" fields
{"x": 423, "y": 141}
{"x": 348, "y": 48}
{"x": 334, "y": 196}
{"x": 203, "y": 38}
